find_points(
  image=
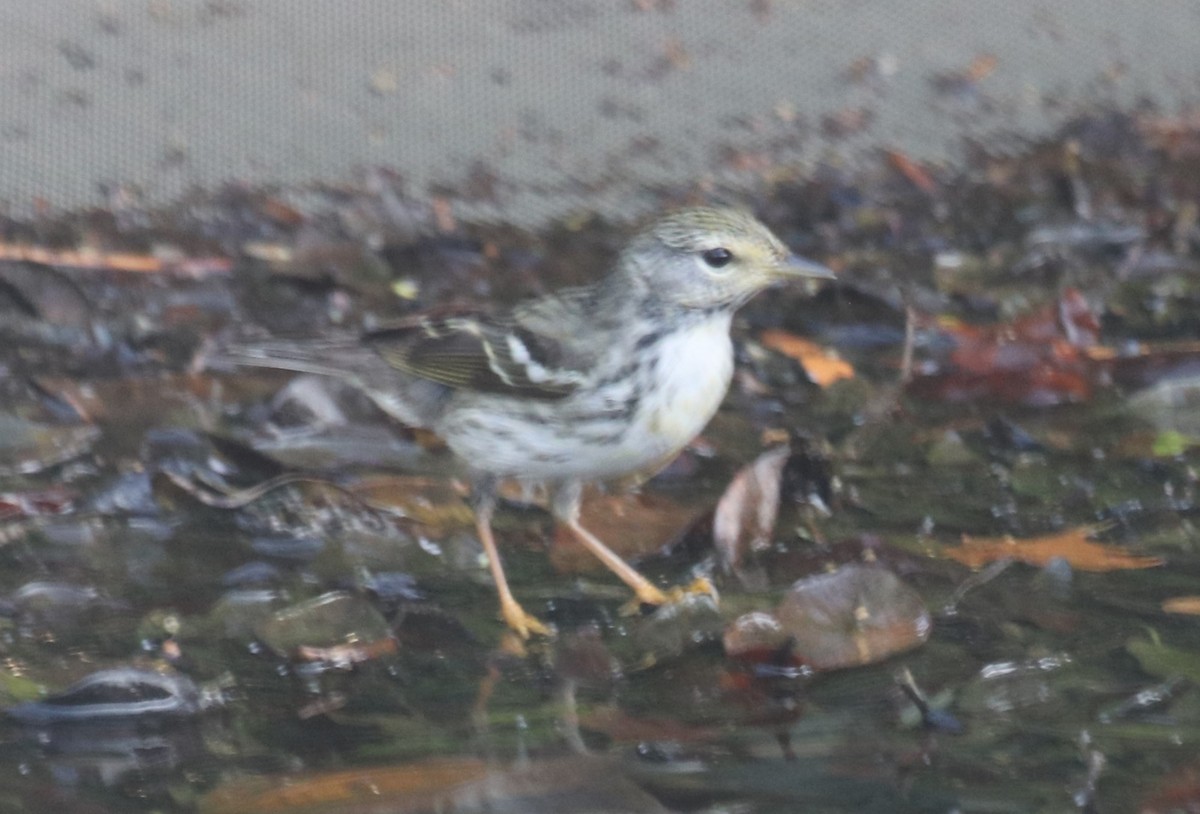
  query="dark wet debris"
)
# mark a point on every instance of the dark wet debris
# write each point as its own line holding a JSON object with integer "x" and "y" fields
{"x": 1008, "y": 354}
{"x": 117, "y": 693}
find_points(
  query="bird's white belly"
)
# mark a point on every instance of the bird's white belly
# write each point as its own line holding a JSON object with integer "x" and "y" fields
{"x": 558, "y": 441}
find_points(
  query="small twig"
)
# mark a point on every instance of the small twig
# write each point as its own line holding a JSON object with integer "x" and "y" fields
{"x": 974, "y": 581}
{"x": 241, "y": 498}
{"x": 910, "y": 343}
{"x": 931, "y": 718}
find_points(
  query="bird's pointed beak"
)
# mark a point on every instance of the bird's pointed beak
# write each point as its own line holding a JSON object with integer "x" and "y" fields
{"x": 796, "y": 266}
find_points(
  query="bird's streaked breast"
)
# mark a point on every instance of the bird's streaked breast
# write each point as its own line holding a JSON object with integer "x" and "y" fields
{"x": 629, "y": 418}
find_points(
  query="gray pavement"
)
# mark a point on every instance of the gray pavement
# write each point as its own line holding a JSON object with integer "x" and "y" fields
{"x": 548, "y": 106}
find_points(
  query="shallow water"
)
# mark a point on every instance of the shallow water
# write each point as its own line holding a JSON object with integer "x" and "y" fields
{"x": 337, "y": 634}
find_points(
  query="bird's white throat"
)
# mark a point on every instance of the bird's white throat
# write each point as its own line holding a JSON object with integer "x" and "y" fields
{"x": 694, "y": 367}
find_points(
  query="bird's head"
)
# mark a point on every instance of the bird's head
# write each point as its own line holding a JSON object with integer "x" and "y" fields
{"x": 707, "y": 257}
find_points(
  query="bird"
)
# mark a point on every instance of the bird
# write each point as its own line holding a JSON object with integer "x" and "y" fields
{"x": 596, "y": 383}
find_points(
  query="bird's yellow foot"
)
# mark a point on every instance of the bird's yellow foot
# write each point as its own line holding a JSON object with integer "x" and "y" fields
{"x": 648, "y": 594}
{"x": 522, "y": 623}
{"x": 700, "y": 586}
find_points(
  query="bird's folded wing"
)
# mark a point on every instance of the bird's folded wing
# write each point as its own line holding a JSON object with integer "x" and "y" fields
{"x": 481, "y": 353}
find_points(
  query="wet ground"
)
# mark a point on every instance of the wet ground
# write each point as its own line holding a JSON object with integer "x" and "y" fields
{"x": 948, "y": 506}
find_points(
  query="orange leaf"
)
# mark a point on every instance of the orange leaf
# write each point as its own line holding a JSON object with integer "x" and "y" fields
{"x": 914, "y": 172}
{"x": 1071, "y": 545}
{"x": 87, "y": 257}
{"x": 1182, "y": 604}
{"x": 584, "y": 783}
{"x": 410, "y": 788}
{"x": 824, "y": 367}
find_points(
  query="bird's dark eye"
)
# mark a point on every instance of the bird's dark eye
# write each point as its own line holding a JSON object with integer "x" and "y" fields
{"x": 718, "y": 257}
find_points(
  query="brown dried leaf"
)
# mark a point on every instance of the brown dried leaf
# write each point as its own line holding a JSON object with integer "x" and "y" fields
{"x": 584, "y": 783}
{"x": 856, "y": 615}
{"x": 410, "y": 787}
{"x": 917, "y": 175}
{"x": 1041, "y": 358}
{"x": 1071, "y": 545}
{"x": 622, "y": 727}
{"x": 634, "y": 525}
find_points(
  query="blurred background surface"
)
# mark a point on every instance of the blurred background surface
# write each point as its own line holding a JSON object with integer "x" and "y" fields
{"x": 533, "y": 108}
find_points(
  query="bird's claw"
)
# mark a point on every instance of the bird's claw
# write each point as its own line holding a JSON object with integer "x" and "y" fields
{"x": 524, "y": 624}
{"x": 649, "y": 595}
{"x": 701, "y": 586}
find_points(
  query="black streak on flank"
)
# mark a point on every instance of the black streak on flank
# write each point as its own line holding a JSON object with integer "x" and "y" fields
{"x": 624, "y": 372}
{"x": 647, "y": 340}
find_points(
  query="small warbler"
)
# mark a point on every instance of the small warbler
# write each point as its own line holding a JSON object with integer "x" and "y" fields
{"x": 593, "y": 383}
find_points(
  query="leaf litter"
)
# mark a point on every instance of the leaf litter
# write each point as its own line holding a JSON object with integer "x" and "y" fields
{"x": 1001, "y": 342}
{"x": 1072, "y": 546}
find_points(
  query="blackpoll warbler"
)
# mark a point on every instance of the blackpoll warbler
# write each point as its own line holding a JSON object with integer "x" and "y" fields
{"x": 593, "y": 383}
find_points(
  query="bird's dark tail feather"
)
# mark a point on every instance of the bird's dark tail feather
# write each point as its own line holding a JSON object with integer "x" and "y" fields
{"x": 319, "y": 358}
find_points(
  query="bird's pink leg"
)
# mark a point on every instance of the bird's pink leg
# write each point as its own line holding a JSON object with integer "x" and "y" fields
{"x": 523, "y": 623}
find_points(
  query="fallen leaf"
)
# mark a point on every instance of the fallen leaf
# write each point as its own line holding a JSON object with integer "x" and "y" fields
{"x": 1038, "y": 385}
{"x": 823, "y": 367}
{"x": 444, "y": 784}
{"x": 86, "y": 257}
{"x": 856, "y": 615}
{"x": 1182, "y": 604}
{"x": 917, "y": 175}
{"x": 1071, "y": 545}
{"x": 1045, "y": 357}
{"x": 622, "y": 728}
{"x": 745, "y": 516}
{"x": 410, "y": 787}
{"x": 634, "y": 524}
{"x": 341, "y": 627}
